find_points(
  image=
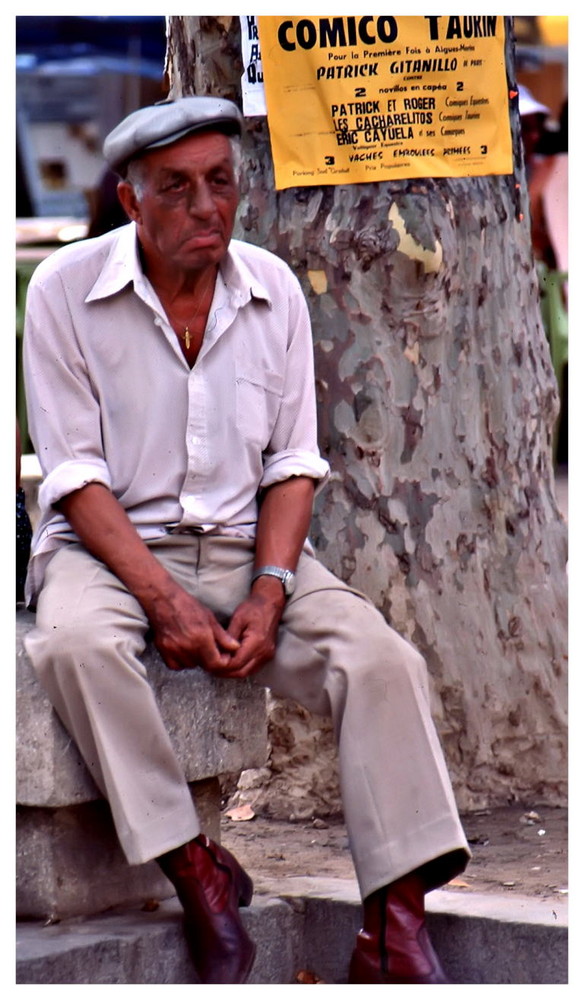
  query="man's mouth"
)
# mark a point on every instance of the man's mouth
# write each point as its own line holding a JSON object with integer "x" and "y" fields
{"x": 204, "y": 236}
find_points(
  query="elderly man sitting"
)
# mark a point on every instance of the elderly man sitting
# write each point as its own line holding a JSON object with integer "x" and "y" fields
{"x": 170, "y": 384}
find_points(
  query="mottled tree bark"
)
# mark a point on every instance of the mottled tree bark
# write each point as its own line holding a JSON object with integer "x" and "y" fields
{"x": 436, "y": 406}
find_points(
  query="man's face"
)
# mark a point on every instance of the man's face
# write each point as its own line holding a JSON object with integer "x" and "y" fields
{"x": 186, "y": 212}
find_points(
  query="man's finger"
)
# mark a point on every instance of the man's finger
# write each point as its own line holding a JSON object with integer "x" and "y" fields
{"x": 171, "y": 662}
{"x": 254, "y": 653}
{"x": 246, "y": 670}
{"x": 227, "y": 641}
{"x": 213, "y": 659}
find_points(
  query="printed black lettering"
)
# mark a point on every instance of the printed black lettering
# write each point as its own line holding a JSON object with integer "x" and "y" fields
{"x": 253, "y": 76}
{"x": 433, "y": 25}
{"x": 283, "y": 39}
{"x": 481, "y": 26}
{"x": 405, "y": 66}
{"x": 336, "y": 32}
{"x": 387, "y": 29}
{"x": 352, "y": 31}
{"x": 306, "y": 34}
{"x": 419, "y": 103}
{"x": 332, "y": 32}
{"x": 347, "y": 72}
{"x": 347, "y": 138}
{"x": 414, "y": 152}
{"x": 377, "y": 155}
{"x": 363, "y": 24}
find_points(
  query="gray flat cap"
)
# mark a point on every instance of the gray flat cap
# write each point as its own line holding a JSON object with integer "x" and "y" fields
{"x": 161, "y": 124}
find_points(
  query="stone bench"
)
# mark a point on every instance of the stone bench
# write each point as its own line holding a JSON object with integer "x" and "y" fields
{"x": 68, "y": 859}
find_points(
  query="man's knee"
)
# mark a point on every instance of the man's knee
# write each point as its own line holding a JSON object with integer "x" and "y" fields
{"x": 65, "y": 650}
{"x": 387, "y": 658}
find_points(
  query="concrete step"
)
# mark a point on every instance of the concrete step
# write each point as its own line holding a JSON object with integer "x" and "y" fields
{"x": 303, "y": 925}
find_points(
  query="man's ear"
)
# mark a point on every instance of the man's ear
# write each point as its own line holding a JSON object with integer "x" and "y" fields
{"x": 129, "y": 202}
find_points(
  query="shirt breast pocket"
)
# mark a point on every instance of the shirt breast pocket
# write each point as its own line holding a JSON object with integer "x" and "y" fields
{"x": 258, "y": 395}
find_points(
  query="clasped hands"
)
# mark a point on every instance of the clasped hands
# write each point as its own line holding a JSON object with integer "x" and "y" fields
{"x": 187, "y": 634}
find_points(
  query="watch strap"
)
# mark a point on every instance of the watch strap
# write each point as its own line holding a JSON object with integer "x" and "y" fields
{"x": 285, "y": 576}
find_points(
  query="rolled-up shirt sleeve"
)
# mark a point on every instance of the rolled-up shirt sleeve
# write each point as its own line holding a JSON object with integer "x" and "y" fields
{"x": 286, "y": 464}
{"x": 71, "y": 476}
{"x": 293, "y": 448}
{"x": 63, "y": 411}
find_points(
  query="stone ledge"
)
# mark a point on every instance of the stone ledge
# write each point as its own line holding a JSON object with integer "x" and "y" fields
{"x": 68, "y": 860}
{"x": 216, "y": 727}
{"x": 303, "y": 924}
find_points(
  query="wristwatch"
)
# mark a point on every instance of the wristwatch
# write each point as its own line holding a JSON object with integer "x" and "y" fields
{"x": 285, "y": 576}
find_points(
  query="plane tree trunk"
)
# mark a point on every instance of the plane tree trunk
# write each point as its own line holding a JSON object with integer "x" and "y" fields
{"x": 437, "y": 403}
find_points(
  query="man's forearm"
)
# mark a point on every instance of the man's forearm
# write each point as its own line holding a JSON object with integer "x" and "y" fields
{"x": 283, "y": 524}
{"x": 102, "y": 525}
{"x": 186, "y": 633}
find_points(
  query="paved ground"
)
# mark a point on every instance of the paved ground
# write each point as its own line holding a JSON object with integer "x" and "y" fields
{"x": 504, "y": 922}
{"x": 516, "y": 850}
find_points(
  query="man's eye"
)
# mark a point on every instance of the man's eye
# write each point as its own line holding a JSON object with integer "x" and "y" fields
{"x": 174, "y": 185}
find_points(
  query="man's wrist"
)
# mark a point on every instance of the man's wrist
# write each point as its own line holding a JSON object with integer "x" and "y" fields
{"x": 268, "y": 589}
{"x": 285, "y": 576}
{"x": 157, "y": 592}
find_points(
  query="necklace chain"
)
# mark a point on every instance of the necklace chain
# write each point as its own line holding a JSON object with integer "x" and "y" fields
{"x": 187, "y": 335}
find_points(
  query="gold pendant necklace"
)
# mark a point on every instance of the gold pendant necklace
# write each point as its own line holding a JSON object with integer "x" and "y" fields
{"x": 187, "y": 336}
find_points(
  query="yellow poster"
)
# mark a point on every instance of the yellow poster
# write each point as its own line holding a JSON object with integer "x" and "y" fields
{"x": 354, "y": 99}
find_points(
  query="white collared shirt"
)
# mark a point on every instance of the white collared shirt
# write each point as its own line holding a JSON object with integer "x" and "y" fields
{"x": 111, "y": 398}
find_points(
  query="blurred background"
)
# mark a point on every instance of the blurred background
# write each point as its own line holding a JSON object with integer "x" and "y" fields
{"x": 542, "y": 75}
{"x": 76, "y": 77}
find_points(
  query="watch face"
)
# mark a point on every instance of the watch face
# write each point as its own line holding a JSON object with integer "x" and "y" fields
{"x": 289, "y": 581}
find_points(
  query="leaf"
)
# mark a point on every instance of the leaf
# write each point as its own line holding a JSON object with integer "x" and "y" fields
{"x": 240, "y": 813}
{"x": 150, "y": 905}
{"x": 305, "y": 976}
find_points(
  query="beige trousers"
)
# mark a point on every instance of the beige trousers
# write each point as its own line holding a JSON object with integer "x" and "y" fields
{"x": 336, "y": 656}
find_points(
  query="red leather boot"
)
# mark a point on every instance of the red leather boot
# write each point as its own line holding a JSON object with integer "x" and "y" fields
{"x": 211, "y": 885}
{"x": 393, "y": 945}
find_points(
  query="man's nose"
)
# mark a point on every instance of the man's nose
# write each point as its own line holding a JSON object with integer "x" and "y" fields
{"x": 200, "y": 201}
